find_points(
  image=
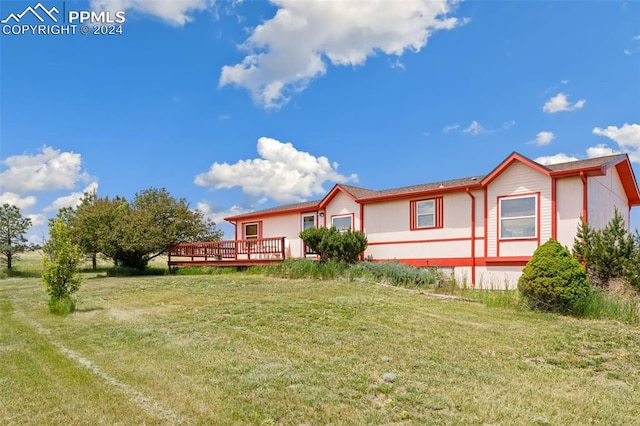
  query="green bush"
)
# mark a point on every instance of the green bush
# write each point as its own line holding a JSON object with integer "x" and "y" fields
{"x": 62, "y": 306}
{"x": 553, "y": 280}
{"x": 333, "y": 245}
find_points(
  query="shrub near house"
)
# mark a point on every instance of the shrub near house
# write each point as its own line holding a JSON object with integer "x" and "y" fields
{"x": 553, "y": 279}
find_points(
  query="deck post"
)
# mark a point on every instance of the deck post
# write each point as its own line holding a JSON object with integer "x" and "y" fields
{"x": 282, "y": 248}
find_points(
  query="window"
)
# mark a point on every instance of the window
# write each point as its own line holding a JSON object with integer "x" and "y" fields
{"x": 308, "y": 222}
{"x": 426, "y": 214}
{"x": 518, "y": 217}
{"x": 251, "y": 231}
{"x": 342, "y": 223}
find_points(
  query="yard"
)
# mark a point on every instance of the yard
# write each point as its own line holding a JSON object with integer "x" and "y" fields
{"x": 247, "y": 349}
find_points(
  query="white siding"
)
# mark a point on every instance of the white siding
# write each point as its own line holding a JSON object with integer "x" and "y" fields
{"x": 342, "y": 204}
{"x": 605, "y": 193}
{"x": 568, "y": 209}
{"x": 286, "y": 225}
{"x": 389, "y": 222}
{"x": 518, "y": 179}
{"x": 498, "y": 277}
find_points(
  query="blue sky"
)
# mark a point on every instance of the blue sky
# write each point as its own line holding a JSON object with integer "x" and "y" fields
{"x": 204, "y": 97}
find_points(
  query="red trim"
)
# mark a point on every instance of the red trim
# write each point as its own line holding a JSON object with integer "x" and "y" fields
{"x": 517, "y": 240}
{"x": 250, "y": 216}
{"x": 504, "y": 261}
{"x": 438, "y": 211}
{"x": 353, "y": 218}
{"x": 434, "y": 240}
{"x": 585, "y": 205}
{"x": 628, "y": 180}
{"x": 508, "y": 162}
{"x": 431, "y": 193}
{"x": 473, "y": 237}
{"x": 591, "y": 171}
{"x": 554, "y": 211}
{"x": 461, "y": 261}
{"x": 438, "y": 262}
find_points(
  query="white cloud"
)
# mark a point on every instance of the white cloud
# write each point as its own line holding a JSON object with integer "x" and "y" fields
{"x": 71, "y": 200}
{"x": 49, "y": 170}
{"x": 555, "y": 159}
{"x": 173, "y": 12}
{"x": 508, "y": 124}
{"x": 600, "y": 150}
{"x": 450, "y": 128}
{"x": 289, "y": 50}
{"x": 637, "y": 37}
{"x": 282, "y": 173}
{"x": 15, "y": 200}
{"x": 37, "y": 219}
{"x": 564, "y": 81}
{"x": 627, "y": 137}
{"x": 474, "y": 128}
{"x": 560, "y": 103}
{"x": 218, "y": 215}
{"x": 627, "y": 52}
{"x": 544, "y": 138}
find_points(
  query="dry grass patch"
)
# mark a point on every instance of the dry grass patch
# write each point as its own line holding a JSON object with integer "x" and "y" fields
{"x": 247, "y": 349}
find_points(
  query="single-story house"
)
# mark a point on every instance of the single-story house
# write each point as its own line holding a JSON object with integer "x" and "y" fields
{"x": 482, "y": 228}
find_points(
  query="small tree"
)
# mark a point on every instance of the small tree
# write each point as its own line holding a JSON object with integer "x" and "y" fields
{"x": 60, "y": 276}
{"x": 607, "y": 252}
{"x": 333, "y": 245}
{"x": 12, "y": 229}
{"x": 553, "y": 279}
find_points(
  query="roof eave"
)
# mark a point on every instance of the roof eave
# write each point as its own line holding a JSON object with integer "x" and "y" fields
{"x": 421, "y": 193}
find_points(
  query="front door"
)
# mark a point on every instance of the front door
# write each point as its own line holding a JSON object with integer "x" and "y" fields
{"x": 308, "y": 221}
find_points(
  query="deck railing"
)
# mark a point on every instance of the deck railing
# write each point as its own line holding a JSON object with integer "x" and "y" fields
{"x": 254, "y": 248}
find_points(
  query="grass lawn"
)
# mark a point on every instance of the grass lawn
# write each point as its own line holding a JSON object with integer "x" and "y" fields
{"x": 246, "y": 349}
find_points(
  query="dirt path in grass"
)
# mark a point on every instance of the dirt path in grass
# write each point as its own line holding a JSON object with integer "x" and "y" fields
{"x": 143, "y": 401}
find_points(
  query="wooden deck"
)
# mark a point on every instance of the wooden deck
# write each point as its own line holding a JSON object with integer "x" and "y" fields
{"x": 250, "y": 252}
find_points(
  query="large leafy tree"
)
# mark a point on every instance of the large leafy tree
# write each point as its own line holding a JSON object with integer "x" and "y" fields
{"x": 133, "y": 233}
{"x": 13, "y": 228}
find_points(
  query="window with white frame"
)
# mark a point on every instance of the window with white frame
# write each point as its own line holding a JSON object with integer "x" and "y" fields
{"x": 519, "y": 217}
{"x": 342, "y": 223}
{"x": 251, "y": 231}
{"x": 426, "y": 214}
{"x": 308, "y": 222}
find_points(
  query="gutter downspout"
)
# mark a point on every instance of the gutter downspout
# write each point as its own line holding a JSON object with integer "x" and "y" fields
{"x": 473, "y": 237}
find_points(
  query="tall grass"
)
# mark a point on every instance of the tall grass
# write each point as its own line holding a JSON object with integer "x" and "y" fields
{"x": 600, "y": 305}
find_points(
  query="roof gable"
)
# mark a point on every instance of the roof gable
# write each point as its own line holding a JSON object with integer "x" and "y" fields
{"x": 513, "y": 158}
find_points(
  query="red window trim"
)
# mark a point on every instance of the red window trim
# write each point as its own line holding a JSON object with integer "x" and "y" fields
{"x": 439, "y": 213}
{"x": 537, "y": 221}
